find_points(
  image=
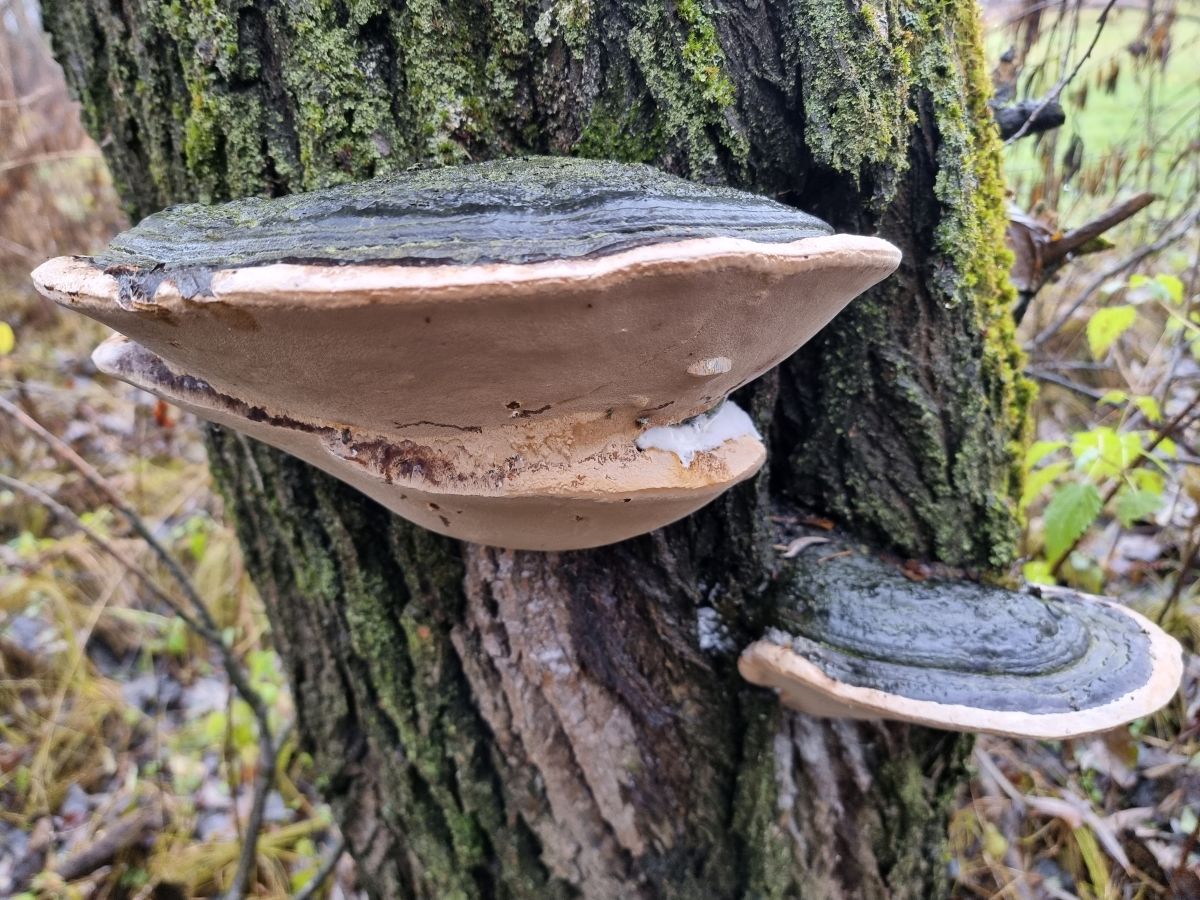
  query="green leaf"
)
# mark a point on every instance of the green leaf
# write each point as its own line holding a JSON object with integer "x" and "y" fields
{"x": 1172, "y": 286}
{"x": 1108, "y": 324}
{"x": 1167, "y": 448}
{"x": 1039, "y": 450}
{"x": 1038, "y": 571}
{"x": 197, "y": 544}
{"x": 1133, "y": 505}
{"x": 1113, "y": 398}
{"x": 1104, "y": 453}
{"x": 177, "y": 637}
{"x": 1068, "y": 514}
{"x": 1149, "y": 408}
{"x": 1150, "y": 480}
{"x": 995, "y": 844}
{"x": 1036, "y": 481}
{"x": 8, "y": 339}
{"x": 1162, "y": 288}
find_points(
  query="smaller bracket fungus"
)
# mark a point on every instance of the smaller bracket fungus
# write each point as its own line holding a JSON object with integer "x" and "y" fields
{"x": 862, "y": 642}
{"x": 498, "y": 352}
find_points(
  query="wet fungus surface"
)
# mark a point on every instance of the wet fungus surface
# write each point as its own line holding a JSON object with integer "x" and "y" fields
{"x": 859, "y": 640}
{"x": 493, "y": 338}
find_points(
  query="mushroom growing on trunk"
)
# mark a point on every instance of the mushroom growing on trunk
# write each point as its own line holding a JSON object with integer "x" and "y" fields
{"x": 528, "y": 353}
{"x": 857, "y": 638}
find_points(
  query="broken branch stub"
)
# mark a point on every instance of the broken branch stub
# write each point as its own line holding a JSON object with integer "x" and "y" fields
{"x": 488, "y": 350}
{"x": 859, "y": 640}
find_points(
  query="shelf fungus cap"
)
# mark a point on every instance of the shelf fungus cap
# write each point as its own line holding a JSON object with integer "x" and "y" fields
{"x": 493, "y": 338}
{"x": 966, "y": 657}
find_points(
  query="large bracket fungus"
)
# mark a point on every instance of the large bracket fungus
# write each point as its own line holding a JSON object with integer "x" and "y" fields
{"x": 492, "y": 351}
{"x": 861, "y": 640}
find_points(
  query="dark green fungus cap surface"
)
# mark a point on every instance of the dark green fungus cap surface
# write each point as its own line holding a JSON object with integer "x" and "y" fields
{"x": 973, "y": 645}
{"x": 508, "y": 211}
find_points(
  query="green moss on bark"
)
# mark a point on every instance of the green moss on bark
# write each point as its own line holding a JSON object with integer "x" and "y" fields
{"x": 391, "y": 592}
{"x": 855, "y": 75}
{"x": 914, "y": 383}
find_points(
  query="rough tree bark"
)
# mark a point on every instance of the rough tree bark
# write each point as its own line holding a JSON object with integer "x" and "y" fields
{"x": 498, "y": 724}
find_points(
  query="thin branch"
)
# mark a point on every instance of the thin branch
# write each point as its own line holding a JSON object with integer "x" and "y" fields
{"x": 264, "y": 781}
{"x": 1189, "y": 563}
{"x": 63, "y": 451}
{"x": 28, "y": 99}
{"x": 1061, "y": 84}
{"x": 201, "y": 621}
{"x": 1076, "y": 238}
{"x": 1184, "y": 225}
{"x": 322, "y": 875}
{"x": 1064, "y": 382}
{"x": 68, "y": 517}
{"x": 58, "y": 156}
{"x": 1029, "y": 115}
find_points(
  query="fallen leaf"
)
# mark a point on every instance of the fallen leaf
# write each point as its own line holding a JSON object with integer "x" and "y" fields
{"x": 797, "y": 546}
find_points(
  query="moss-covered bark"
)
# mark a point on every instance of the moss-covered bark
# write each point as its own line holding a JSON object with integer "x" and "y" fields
{"x": 492, "y": 724}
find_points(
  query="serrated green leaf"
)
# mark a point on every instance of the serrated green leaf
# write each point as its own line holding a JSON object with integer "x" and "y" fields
{"x": 1133, "y": 505}
{"x": 1039, "y": 450}
{"x": 1036, "y": 481}
{"x": 1070, "y": 511}
{"x": 1108, "y": 324}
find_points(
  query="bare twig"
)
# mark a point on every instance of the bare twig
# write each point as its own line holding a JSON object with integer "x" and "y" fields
{"x": 199, "y": 618}
{"x": 322, "y": 874}
{"x": 28, "y": 99}
{"x": 1076, "y": 238}
{"x": 64, "y": 452}
{"x": 1189, "y": 563}
{"x": 264, "y": 781}
{"x": 1183, "y": 226}
{"x": 56, "y": 156}
{"x": 1062, "y": 381}
{"x": 1012, "y": 118}
{"x": 106, "y": 546}
{"x": 120, "y": 835}
{"x": 1061, "y": 85}
{"x": 1040, "y": 252}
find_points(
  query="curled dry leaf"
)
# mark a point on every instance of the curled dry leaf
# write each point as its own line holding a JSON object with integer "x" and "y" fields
{"x": 794, "y": 548}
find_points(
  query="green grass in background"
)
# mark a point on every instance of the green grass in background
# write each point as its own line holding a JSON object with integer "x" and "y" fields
{"x": 1132, "y": 134}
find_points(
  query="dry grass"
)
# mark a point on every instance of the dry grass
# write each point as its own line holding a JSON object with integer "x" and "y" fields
{"x": 126, "y": 762}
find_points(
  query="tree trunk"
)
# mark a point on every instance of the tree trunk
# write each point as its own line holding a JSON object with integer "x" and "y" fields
{"x": 513, "y": 724}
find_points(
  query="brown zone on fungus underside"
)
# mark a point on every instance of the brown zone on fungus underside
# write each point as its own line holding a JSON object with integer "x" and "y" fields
{"x": 405, "y": 459}
{"x": 473, "y": 429}
{"x": 145, "y": 366}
